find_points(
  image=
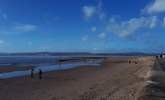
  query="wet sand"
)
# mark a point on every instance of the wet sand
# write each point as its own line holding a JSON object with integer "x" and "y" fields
{"x": 115, "y": 79}
{"x": 13, "y": 68}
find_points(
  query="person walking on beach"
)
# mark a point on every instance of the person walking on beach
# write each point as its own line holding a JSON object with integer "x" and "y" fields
{"x": 32, "y": 73}
{"x": 40, "y": 74}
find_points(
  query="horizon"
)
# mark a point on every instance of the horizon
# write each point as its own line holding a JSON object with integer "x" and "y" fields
{"x": 81, "y": 52}
{"x": 92, "y": 26}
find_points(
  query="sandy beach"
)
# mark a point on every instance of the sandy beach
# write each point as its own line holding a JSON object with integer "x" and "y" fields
{"x": 114, "y": 79}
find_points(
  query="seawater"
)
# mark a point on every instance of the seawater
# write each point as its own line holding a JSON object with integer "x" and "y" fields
{"x": 48, "y": 68}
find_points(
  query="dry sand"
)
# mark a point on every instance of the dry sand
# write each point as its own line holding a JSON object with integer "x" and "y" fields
{"x": 115, "y": 79}
{"x": 154, "y": 88}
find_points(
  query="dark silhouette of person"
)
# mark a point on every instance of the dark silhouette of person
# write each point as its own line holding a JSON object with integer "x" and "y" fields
{"x": 32, "y": 73}
{"x": 40, "y": 74}
{"x": 156, "y": 57}
{"x": 129, "y": 61}
{"x": 161, "y": 56}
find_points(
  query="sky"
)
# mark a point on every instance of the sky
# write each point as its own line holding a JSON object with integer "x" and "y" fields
{"x": 109, "y": 26}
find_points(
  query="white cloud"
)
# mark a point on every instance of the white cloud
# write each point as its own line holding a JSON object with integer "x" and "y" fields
{"x": 19, "y": 29}
{"x": 95, "y": 11}
{"x": 89, "y": 11}
{"x": 100, "y": 12}
{"x": 102, "y": 35}
{"x": 2, "y": 42}
{"x": 157, "y": 6}
{"x": 25, "y": 27}
{"x": 85, "y": 38}
{"x": 154, "y": 21}
{"x": 93, "y": 29}
{"x": 125, "y": 28}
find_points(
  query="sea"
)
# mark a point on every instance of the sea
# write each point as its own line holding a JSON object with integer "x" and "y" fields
{"x": 44, "y": 63}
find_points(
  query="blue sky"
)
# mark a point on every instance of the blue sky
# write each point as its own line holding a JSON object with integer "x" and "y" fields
{"x": 82, "y": 25}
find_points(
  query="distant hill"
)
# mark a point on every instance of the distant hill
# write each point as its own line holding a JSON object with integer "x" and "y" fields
{"x": 130, "y": 54}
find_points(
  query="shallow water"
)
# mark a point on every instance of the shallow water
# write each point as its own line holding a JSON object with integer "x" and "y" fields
{"x": 6, "y": 61}
{"x": 10, "y": 60}
{"x": 48, "y": 68}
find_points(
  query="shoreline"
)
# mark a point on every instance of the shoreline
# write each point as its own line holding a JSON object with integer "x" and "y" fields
{"x": 48, "y": 68}
{"x": 24, "y": 66}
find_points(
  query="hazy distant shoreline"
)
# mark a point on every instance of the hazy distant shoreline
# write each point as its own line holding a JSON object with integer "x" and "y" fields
{"x": 77, "y": 54}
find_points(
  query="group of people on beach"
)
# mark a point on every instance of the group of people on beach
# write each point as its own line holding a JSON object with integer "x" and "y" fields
{"x": 161, "y": 56}
{"x": 39, "y": 73}
{"x": 132, "y": 62}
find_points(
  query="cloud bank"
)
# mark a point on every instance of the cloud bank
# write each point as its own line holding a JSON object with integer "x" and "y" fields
{"x": 126, "y": 28}
{"x": 157, "y": 6}
{"x": 140, "y": 30}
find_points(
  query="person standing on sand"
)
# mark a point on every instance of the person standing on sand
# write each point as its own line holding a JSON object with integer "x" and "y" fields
{"x": 129, "y": 61}
{"x": 40, "y": 74}
{"x": 156, "y": 57}
{"x": 32, "y": 73}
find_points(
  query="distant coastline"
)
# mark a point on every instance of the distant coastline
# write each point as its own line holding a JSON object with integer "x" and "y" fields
{"x": 77, "y": 54}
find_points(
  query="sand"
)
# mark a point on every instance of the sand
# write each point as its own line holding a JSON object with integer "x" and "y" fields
{"x": 13, "y": 68}
{"x": 115, "y": 79}
{"x": 154, "y": 88}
